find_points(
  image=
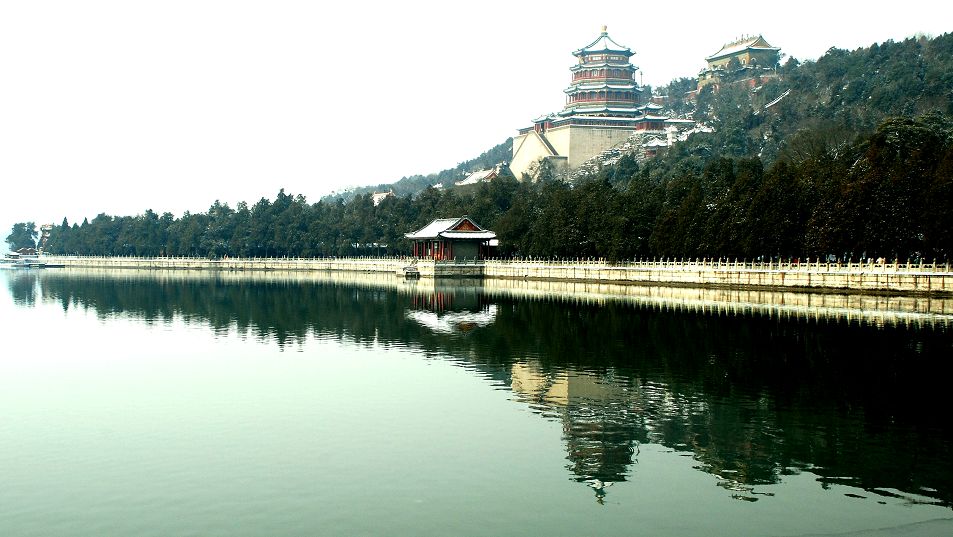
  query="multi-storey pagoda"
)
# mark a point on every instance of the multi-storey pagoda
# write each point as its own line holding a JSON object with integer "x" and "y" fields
{"x": 603, "y": 82}
{"x": 604, "y": 106}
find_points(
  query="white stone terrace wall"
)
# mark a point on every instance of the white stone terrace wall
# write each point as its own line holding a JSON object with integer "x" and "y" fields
{"x": 369, "y": 264}
{"x": 896, "y": 277}
{"x": 878, "y": 277}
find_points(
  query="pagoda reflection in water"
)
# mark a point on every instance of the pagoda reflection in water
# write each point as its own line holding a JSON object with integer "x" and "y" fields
{"x": 751, "y": 398}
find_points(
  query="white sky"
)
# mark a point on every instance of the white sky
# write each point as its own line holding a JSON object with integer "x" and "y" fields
{"x": 123, "y": 106}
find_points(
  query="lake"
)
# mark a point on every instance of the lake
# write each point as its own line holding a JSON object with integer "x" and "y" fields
{"x": 204, "y": 403}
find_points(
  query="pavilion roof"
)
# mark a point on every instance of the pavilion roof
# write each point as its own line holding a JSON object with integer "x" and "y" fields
{"x": 603, "y": 43}
{"x": 447, "y": 228}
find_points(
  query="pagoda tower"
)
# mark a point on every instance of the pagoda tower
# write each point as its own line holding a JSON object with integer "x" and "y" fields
{"x": 603, "y": 81}
{"x": 604, "y": 107}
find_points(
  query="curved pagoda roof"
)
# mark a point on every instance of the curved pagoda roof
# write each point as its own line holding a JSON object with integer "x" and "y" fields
{"x": 752, "y": 43}
{"x": 597, "y": 85}
{"x": 603, "y": 43}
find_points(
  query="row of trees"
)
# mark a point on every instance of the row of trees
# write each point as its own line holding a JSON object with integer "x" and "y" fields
{"x": 23, "y": 235}
{"x": 832, "y": 168}
{"x": 890, "y": 194}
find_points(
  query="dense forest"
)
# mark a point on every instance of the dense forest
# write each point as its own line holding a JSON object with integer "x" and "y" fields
{"x": 855, "y": 160}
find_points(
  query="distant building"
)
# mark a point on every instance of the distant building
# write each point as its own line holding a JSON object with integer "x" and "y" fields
{"x": 378, "y": 197}
{"x": 604, "y": 106}
{"x": 482, "y": 176}
{"x": 752, "y": 57}
{"x": 652, "y": 147}
{"x": 452, "y": 238}
{"x": 45, "y": 231}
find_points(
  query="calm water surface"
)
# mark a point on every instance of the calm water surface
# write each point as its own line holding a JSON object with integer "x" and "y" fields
{"x": 163, "y": 403}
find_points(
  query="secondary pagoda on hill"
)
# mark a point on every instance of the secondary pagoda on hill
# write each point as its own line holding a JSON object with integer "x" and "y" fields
{"x": 452, "y": 238}
{"x": 754, "y": 57}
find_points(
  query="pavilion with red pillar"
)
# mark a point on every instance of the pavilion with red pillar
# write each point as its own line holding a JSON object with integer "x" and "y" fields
{"x": 452, "y": 239}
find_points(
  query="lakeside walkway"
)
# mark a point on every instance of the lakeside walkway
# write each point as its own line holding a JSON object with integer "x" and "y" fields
{"x": 871, "y": 277}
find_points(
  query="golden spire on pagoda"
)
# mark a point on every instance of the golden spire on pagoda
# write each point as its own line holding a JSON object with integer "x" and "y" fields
{"x": 604, "y": 29}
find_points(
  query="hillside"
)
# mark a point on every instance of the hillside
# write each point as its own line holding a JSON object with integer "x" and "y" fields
{"x": 416, "y": 183}
{"x": 831, "y": 101}
{"x": 852, "y": 159}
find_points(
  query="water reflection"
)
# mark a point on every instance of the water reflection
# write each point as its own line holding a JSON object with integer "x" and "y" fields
{"x": 22, "y": 285}
{"x": 751, "y": 396}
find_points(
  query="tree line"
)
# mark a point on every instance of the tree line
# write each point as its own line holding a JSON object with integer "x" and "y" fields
{"x": 842, "y": 165}
{"x": 887, "y": 195}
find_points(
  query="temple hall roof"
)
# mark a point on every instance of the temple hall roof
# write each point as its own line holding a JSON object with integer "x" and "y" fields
{"x": 603, "y": 43}
{"x": 753, "y": 43}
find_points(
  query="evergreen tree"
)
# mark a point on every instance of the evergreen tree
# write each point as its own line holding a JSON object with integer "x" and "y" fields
{"x": 23, "y": 235}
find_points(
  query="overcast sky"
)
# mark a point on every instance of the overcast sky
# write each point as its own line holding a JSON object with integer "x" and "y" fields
{"x": 123, "y": 106}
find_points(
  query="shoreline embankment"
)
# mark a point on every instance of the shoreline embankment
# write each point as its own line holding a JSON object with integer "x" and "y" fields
{"x": 869, "y": 277}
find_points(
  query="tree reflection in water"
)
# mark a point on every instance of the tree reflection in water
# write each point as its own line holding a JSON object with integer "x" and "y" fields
{"x": 750, "y": 398}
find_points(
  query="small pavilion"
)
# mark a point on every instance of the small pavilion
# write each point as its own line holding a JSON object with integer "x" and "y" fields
{"x": 452, "y": 238}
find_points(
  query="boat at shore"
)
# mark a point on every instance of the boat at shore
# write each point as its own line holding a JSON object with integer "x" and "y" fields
{"x": 18, "y": 261}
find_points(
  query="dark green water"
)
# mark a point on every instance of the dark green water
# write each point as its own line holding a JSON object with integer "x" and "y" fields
{"x": 139, "y": 403}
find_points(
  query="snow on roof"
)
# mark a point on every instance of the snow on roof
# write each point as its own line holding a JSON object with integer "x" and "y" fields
{"x": 616, "y": 64}
{"x": 616, "y": 119}
{"x": 597, "y": 85}
{"x": 484, "y": 235}
{"x": 477, "y": 177}
{"x": 433, "y": 228}
{"x": 583, "y": 109}
{"x": 603, "y": 43}
{"x": 482, "y": 174}
{"x": 378, "y": 197}
{"x": 754, "y": 43}
{"x": 441, "y": 228}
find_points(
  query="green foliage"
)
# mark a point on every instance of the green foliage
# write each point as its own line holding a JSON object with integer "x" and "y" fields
{"x": 841, "y": 164}
{"x": 889, "y": 194}
{"x": 23, "y": 235}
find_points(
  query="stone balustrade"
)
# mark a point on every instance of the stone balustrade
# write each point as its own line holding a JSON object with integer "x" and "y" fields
{"x": 896, "y": 277}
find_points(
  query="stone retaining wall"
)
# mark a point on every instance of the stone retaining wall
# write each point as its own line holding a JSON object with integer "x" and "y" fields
{"x": 873, "y": 277}
{"x": 391, "y": 264}
{"x": 896, "y": 277}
